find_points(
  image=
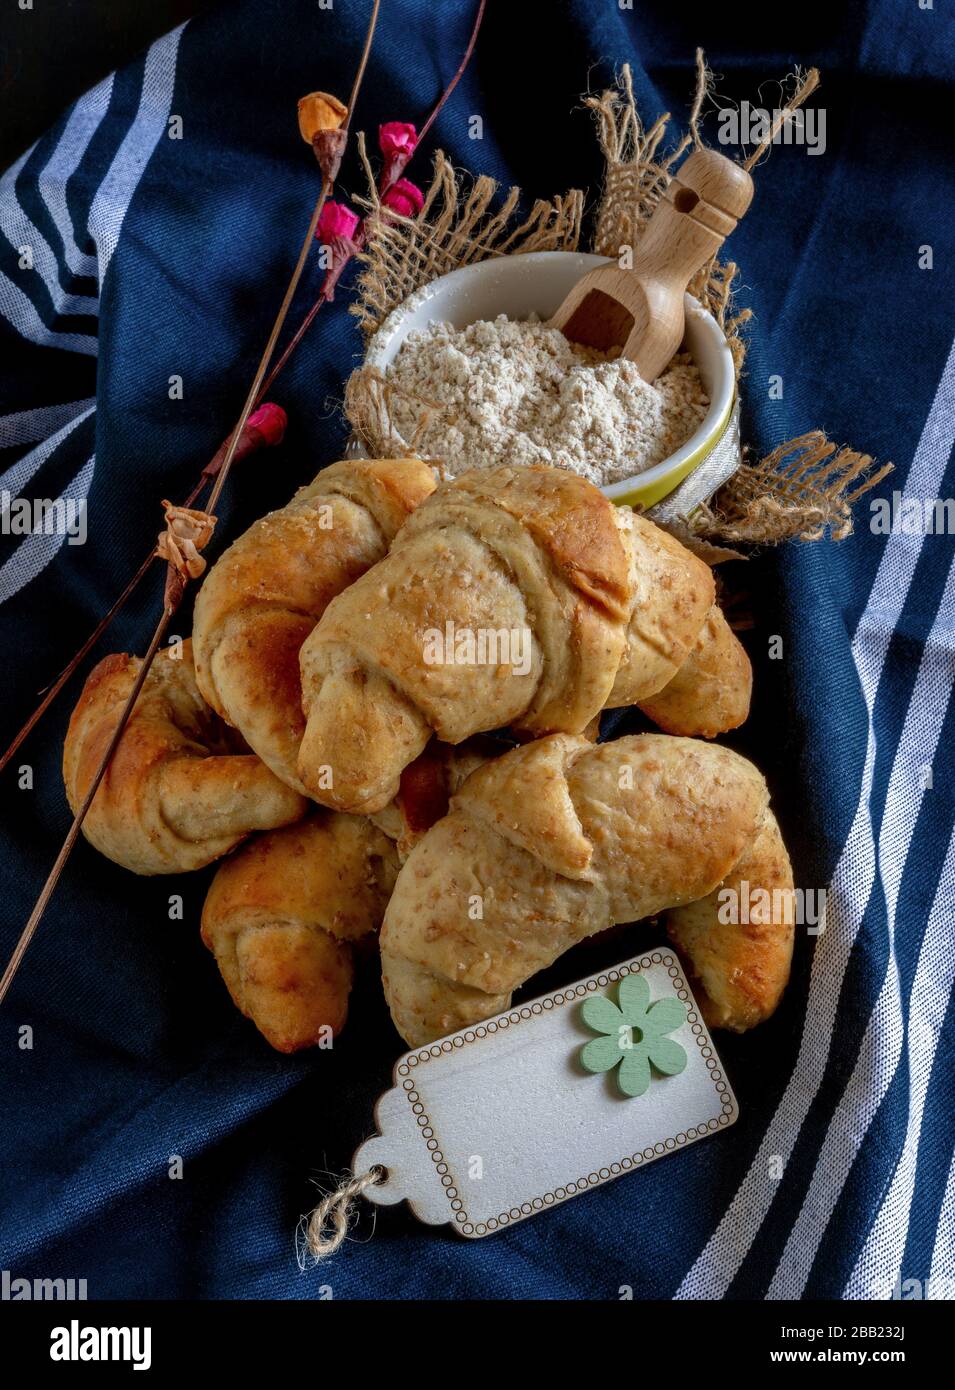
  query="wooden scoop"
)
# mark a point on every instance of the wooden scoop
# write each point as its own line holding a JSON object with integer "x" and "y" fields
{"x": 641, "y": 310}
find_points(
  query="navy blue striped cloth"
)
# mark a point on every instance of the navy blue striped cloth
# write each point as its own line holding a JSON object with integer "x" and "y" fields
{"x": 128, "y": 258}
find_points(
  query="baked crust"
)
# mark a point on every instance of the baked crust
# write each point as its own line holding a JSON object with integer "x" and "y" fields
{"x": 181, "y": 790}
{"x": 561, "y": 839}
{"x": 281, "y": 917}
{"x": 609, "y": 605}
{"x": 263, "y": 597}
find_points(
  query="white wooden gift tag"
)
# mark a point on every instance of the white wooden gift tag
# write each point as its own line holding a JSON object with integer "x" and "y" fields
{"x": 497, "y": 1122}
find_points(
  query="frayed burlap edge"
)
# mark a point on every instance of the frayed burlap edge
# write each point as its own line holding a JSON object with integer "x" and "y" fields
{"x": 804, "y": 488}
{"x": 367, "y": 405}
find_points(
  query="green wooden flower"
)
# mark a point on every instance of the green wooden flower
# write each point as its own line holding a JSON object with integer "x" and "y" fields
{"x": 633, "y": 1032}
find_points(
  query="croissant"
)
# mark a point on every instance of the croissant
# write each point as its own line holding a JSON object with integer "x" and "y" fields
{"x": 580, "y": 605}
{"x": 178, "y": 793}
{"x": 710, "y": 693}
{"x": 262, "y": 598}
{"x": 560, "y": 839}
{"x": 281, "y": 917}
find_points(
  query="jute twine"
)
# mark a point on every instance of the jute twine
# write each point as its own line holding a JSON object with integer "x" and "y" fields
{"x": 804, "y": 488}
{"x": 324, "y": 1230}
{"x": 637, "y": 171}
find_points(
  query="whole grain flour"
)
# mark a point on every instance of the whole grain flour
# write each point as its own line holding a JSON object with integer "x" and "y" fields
{"x": 507, "y": 392}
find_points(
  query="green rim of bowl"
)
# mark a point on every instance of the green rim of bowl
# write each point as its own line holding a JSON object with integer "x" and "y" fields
{"x": 648, "y": 494}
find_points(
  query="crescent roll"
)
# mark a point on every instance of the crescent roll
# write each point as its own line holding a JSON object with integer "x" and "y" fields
{"x": 262, "y": 598}
{"x": 178, "y": 793}
{"x": 512, "y": 596}
{"x": 559, "y": 840}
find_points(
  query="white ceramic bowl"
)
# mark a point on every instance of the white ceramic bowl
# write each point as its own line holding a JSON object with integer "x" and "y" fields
{"x": 537, "y": 283}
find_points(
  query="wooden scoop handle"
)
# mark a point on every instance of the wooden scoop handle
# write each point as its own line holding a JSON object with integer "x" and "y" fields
{"x": 700, "y": 208}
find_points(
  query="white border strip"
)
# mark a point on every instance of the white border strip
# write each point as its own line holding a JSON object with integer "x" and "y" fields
{"x": 84, "y": 121}
{"x": 35, "y": 551}
{"x": 879, "y": 1265}
{"x": 19, "y": 474}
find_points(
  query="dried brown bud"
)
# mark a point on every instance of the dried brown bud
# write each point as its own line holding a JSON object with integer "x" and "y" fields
{"x": 329, "y": 146}
{"x": 317, "y": 112}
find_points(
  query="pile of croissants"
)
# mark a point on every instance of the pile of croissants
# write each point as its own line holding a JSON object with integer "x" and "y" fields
{"x": 304, "y": 723}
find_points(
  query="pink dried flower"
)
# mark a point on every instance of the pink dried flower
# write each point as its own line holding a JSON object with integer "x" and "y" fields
{"x": 397, "y": 137}
{"x": 338, "y": 227}
{"x": 403, "y": 197}
{"x": 336, "y": 220}
{"x": 270, "y": 421}
{"x": 396, "y": 140}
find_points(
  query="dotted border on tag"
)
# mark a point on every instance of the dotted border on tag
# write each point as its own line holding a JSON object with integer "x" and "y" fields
{"x": 465, "y": 1224}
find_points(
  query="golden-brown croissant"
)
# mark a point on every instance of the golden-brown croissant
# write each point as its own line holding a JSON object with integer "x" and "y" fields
{"x": 579, "y": 606}
{"x": 178, "y": 793}
{"x": 281, "y": 917}
{"x": 561, "y": 839}
{"x": 710, "y": 693}
{"x": 262, "y": 598}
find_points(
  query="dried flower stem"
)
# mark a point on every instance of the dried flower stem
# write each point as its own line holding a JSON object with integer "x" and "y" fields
{"x": 26, "y": 935}
{"x": 176, "y": 582}
{"x": 52, "y": 691}
{"x": 248, "y": 445}
{"x": 384, "y": 186}
{"x": 327, "y": 181}
{"x": 266, "y": 357}
{"x": 462, "y": 66}
{"x": 217, "y": 463}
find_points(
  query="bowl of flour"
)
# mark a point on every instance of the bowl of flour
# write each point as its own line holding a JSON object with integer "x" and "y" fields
{"x": 480, "y": 380}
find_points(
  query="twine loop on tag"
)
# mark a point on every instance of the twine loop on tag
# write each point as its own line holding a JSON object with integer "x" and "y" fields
{"x": 325, "y": 1229}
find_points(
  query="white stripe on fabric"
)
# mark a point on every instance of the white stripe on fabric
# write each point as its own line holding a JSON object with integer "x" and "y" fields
{"x": 20, "y": 231}
{"x": 943, "y": 1255}
{"x": 35, "y": 552}
{"x": 718, "y": 1263}
{"x": 21, "y": 313}
{"x": 83, "y": 123}
{"x": 19, "y": 474}
{"x": 882, "y": 1042}
{"x": 25, "y": 426}
{"x": 880, "y": 1264}
{"x": 116, "y": 191}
